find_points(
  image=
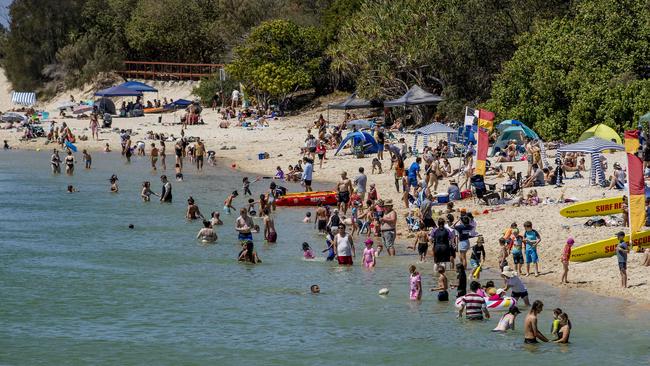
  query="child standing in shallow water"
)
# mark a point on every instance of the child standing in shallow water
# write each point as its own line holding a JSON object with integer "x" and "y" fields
{"x": 329, "y": 241}
{"x": 415, "y": 283}
{"x": 369, "y": 260}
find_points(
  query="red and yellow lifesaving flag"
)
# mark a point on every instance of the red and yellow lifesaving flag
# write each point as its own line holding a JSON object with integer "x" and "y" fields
{"x": 481, "y": 151}
{"x": 485, "y": 119}
{"x": 636, "y": 184}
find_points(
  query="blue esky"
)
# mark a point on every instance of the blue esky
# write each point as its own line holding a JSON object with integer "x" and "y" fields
{"x": 4, "y": 12}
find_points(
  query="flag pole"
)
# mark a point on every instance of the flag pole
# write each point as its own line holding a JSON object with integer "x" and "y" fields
{"x": 629, "y": 212}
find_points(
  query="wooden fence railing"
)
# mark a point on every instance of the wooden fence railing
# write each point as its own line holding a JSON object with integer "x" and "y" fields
{"x": 168, "y": 70}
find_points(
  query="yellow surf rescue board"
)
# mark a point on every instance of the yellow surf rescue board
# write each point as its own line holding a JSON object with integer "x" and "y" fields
{"x": 599, "y": 207}
{"x": 607, "y": 248}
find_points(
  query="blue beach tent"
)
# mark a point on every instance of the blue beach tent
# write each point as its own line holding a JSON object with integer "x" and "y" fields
{"x": 118, "y": 91}
{"x": 363, "y": 138}
{"x": 139, "y": 86}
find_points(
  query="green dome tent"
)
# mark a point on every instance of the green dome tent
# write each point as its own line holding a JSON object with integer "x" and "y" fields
{"x": 601, "y": 131}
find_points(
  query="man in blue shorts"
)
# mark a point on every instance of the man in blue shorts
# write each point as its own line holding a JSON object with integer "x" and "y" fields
{"x": 244, "y": 226}
{"x": 414, "y": 173}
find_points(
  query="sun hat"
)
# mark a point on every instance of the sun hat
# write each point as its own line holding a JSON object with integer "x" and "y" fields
{"x": 388, "y": 202}
{"x": 508, "y": 272}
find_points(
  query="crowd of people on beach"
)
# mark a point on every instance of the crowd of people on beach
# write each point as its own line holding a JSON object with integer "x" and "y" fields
{"x": 441, "y": 237}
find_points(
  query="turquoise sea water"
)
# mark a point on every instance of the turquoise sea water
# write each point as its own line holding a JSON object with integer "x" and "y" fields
{"x": 78, "y": 287}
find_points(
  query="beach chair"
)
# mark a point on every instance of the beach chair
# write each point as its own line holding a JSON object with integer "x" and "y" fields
{"x": 413, "y": 223}
{"x": 482, "y": 191}
{"x": 511, "y": 193}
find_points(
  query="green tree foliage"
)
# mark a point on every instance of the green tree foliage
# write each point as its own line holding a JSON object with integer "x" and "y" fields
{"x": 575, "y": 71}
{"x": 208, "y": 87}
{"x": 99, "y": 47}
{"x": 177, "y": 29}
{"x": 277, "y": 58}
{"x": 448, "y": 46}
{"x": 335, "y": 15}
{"x": 38, "y": 28}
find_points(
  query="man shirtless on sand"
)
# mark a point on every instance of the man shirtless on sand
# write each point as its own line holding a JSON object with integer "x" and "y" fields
{"x": 531, "y": 332}
{"x": 321, "y": 218}
{"x": 343, "y": 189}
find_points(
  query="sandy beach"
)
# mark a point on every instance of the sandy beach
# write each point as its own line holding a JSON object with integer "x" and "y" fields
{"x": 284, "y": 137}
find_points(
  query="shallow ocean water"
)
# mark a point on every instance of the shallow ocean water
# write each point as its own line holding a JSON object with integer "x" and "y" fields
{"x": 78, "y": 287}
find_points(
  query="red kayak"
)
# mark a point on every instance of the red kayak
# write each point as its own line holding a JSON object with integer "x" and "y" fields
{"x": 307, "y": 199}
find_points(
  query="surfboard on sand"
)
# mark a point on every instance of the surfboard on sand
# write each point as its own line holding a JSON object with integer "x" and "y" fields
{"x": 607, "y": 248}
{"x": 599, "y": 207}
{"x": 70, "y": 146}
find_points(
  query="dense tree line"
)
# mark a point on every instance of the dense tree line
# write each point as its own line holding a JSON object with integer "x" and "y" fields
{"x": 558, "y": 65}
{"x": 589, "y": 66}
{"x": 65, "y": 43}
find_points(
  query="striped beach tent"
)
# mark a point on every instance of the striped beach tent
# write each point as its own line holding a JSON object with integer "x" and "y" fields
{"x": 434, "y": 128}
{"x": 593, "y": 146}
{"x": 23, "y": 98}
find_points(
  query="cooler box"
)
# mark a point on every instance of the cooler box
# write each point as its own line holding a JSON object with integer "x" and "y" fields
{"x": 443, "y": 198}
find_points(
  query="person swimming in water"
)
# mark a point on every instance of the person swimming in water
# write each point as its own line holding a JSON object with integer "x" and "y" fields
{"x": 248, "y": 254}
{"x": 215, "y": 219}
{"x": 193, "y": 211}
{"x": 507, "y": 321}
{"x": 146, "y": 191}
{"x": 306, "y": 251}
{"x": 207, "y": 234}
{"x": 113, "y": 180}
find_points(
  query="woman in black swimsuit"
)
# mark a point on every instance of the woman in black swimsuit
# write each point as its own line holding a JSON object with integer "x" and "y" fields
{"x": 178, "y": 149}
{"x": 69, "y": 163}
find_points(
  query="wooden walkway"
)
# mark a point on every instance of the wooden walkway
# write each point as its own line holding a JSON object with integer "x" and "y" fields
{"x": 168, "y": 70}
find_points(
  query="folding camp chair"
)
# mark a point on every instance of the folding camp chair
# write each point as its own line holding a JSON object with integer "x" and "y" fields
{"x": 482, "y": 191}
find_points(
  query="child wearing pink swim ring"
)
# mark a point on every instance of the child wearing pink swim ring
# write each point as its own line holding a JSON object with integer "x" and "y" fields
{"x": 369, "y": 260}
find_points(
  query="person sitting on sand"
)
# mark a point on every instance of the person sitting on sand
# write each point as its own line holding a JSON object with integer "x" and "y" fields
{"x": 618, "y": 177}
{"x": 279, "y": 173}
{"x": 207, "y": 234}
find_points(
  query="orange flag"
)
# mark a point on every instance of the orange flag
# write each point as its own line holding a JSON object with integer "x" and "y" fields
{"x": 636, "y": 183}
{"x": 481, "y": 151}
